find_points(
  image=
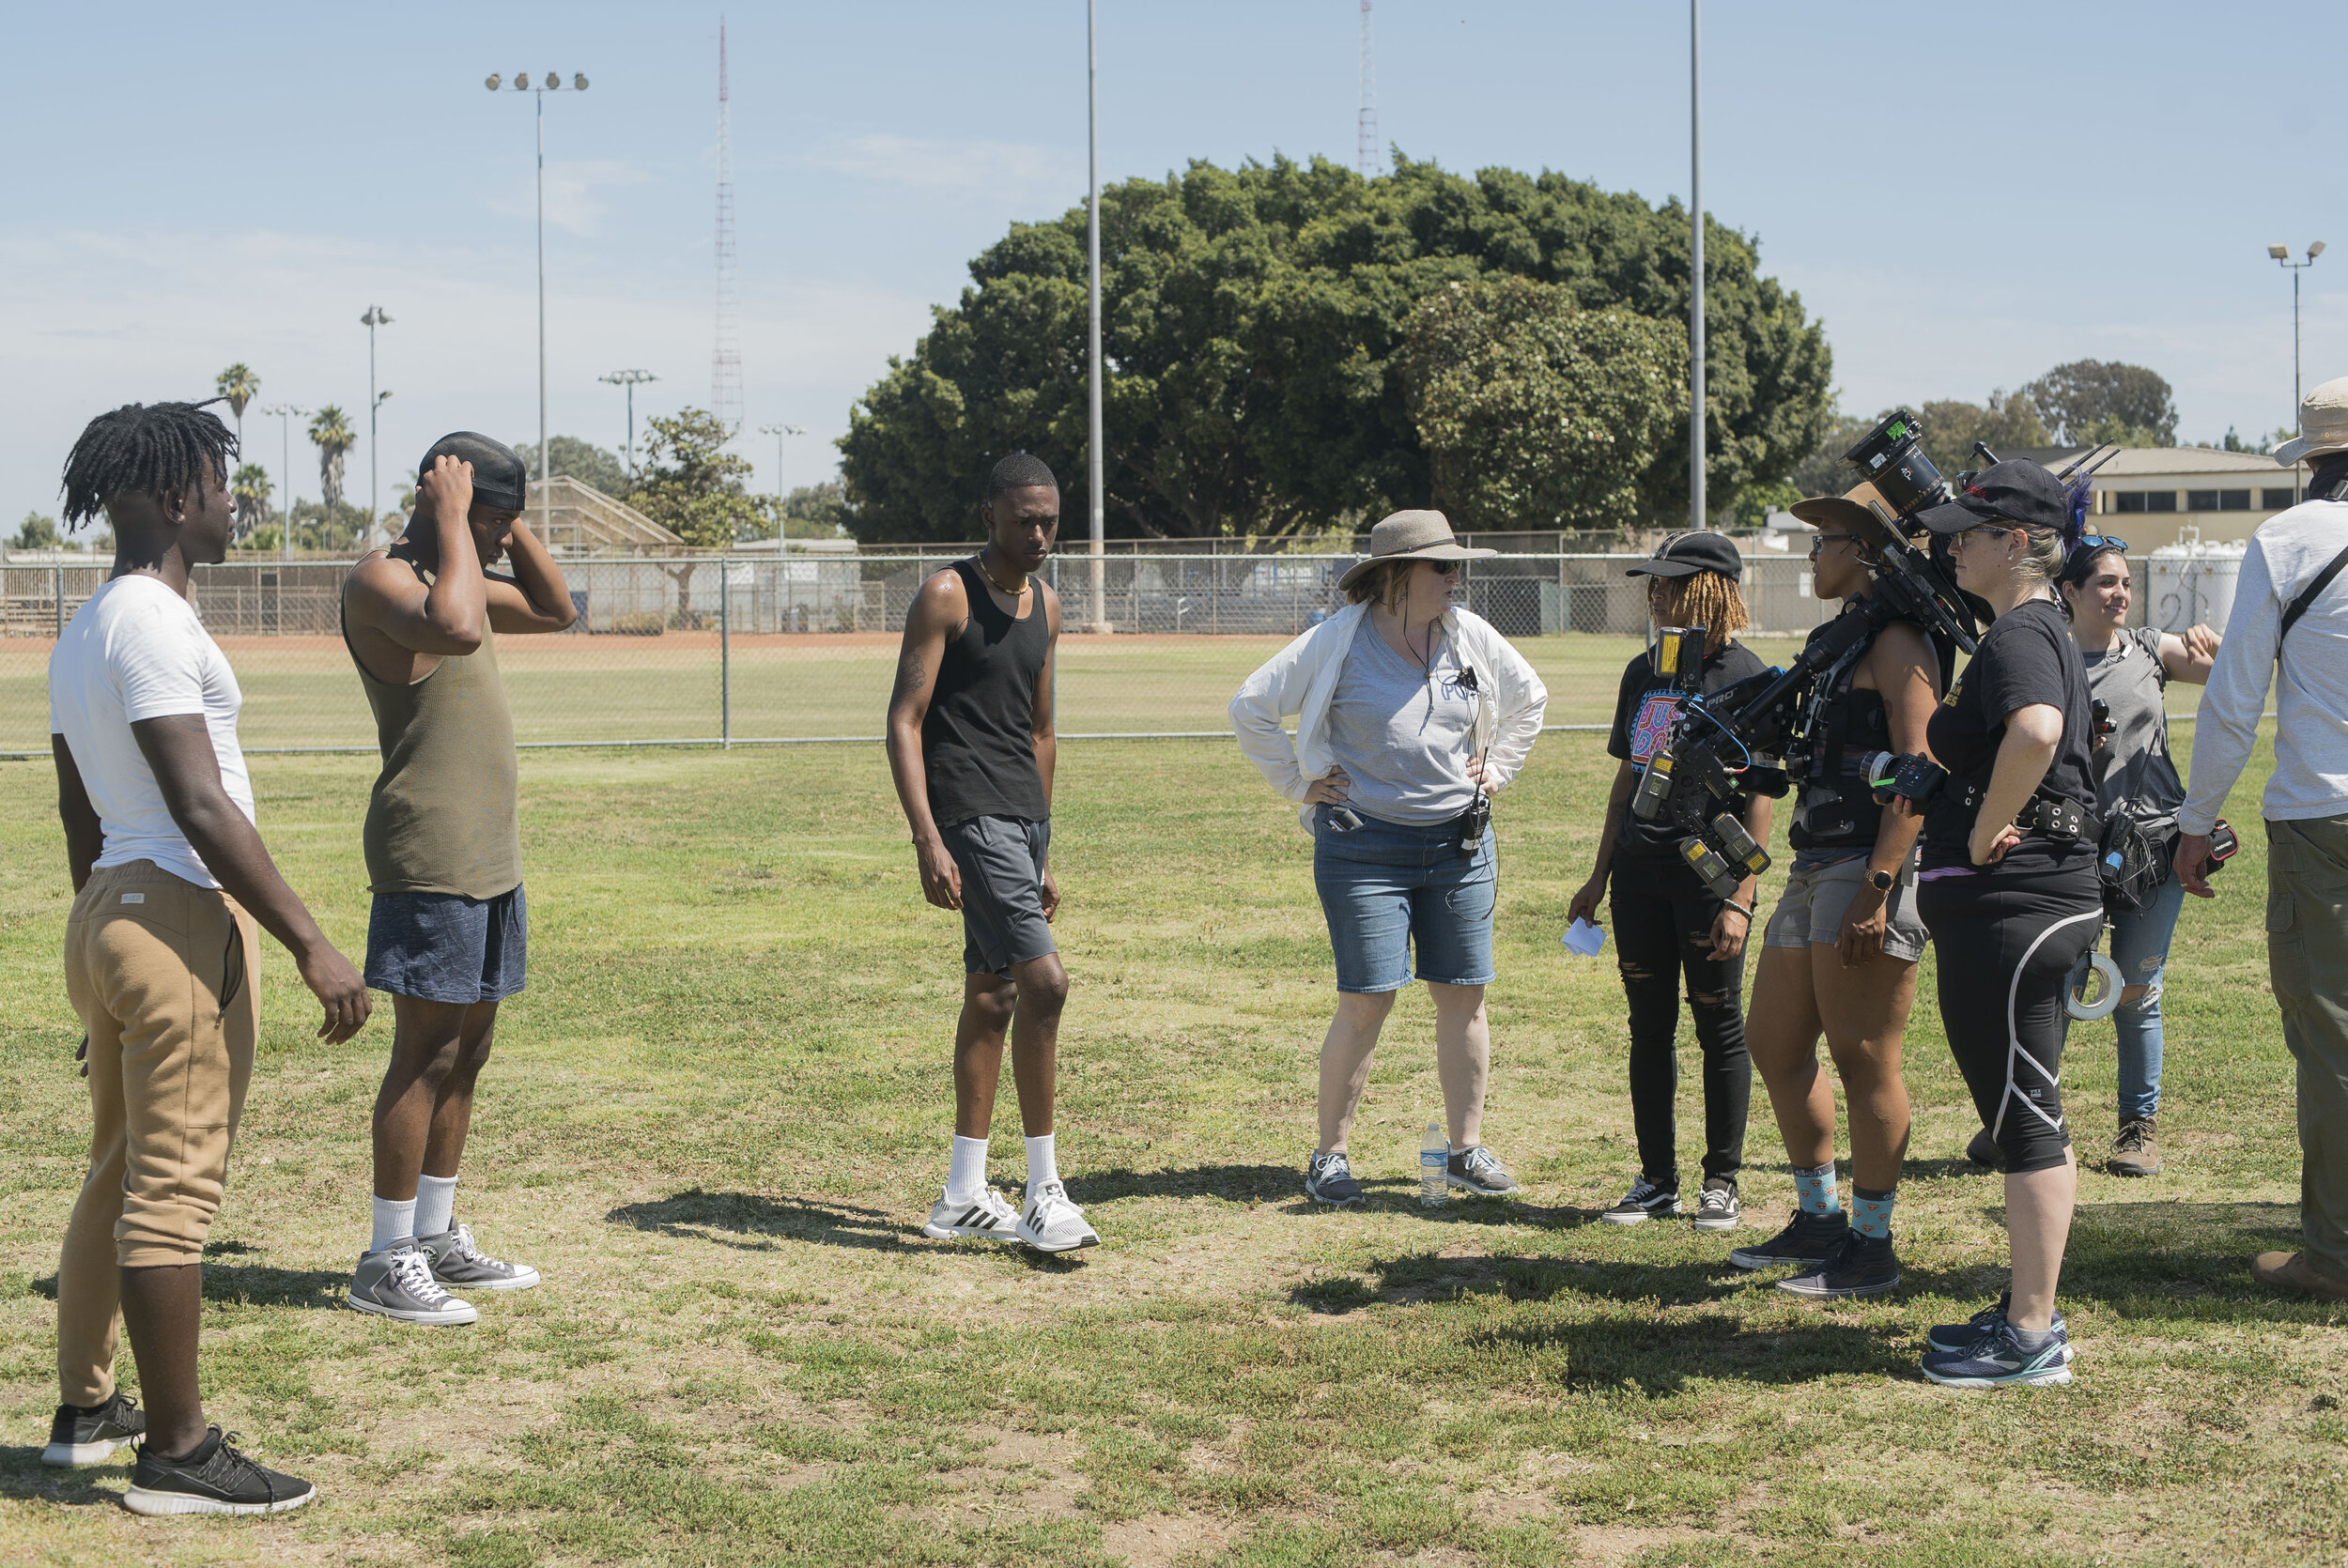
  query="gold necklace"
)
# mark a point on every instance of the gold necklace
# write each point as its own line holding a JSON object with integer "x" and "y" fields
{"x": 1019, "y": 593}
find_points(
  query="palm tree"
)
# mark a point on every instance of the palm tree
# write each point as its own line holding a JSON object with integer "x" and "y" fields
{"x": 240, "y": 386}
{"x": 251, "y": 487}
{"x": 330, "y": 432}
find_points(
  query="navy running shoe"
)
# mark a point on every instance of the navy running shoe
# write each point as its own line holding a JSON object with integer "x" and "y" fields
{"x": 1329, "y": 1178}
{"x": 1998, "y": 1359}
{"x": 1807, "y": 1238}
{"x": 1862, "y": 1266}
{"x": 1956, "y": 1336}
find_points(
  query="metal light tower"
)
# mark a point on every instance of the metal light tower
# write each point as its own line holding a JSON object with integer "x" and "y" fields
{"x": 1365, "y": 120}
{"x": 287, "y": 413}
{"x": 778, "y": 432}
{"x": 631, "y": 379}
{"x": 2282, "y": 258}
{"x": 1096, "y": 512}
{"x": 377, "y": 316}
{"x": 725, "y": 360}
{"x": 548, "y": 82}
{"x": 1695, "y": 264}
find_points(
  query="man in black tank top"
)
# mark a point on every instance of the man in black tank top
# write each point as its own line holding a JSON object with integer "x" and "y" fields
{"x": 971, "y": 747}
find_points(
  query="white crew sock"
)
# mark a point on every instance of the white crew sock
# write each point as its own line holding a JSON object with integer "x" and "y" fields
{"x": 394, "y": 1221}
{"x": 436, "y": 1204}
{"x": 966, "y": 1178}
{"x": 1042, "y": 1165}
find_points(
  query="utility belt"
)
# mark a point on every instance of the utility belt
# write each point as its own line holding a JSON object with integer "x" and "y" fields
{"x": 2057, "y": 817}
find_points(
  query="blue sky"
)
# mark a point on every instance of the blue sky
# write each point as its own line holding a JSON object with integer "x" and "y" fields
{"x": 1967, "y": 194}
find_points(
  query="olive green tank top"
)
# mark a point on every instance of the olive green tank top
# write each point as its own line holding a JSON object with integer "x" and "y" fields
{"x": 444, "y": 817}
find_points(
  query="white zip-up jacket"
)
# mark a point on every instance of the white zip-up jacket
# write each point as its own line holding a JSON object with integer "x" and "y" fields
{"x": 1302, "y": 677}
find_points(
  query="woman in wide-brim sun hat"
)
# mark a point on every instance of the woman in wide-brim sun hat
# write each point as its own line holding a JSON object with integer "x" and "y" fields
{"x": 1408, "y": 710}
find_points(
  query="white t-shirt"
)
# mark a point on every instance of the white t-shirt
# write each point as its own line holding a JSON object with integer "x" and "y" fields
{"x": 136, "y": 651}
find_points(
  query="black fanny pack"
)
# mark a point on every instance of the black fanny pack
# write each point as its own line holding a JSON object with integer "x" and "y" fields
{"x": 2134, "y": 858}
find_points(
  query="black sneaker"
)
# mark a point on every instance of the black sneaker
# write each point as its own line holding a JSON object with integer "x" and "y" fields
{"x": 1329, "y": 1178}
{"x": 1646, "y": 1200}
{"x": 1983, "y": 1152}
{"x": 79, "y": 1437}
{"x": 215, "y": 1479}
{"x": 1478, "y": 1170}
{"x": 1807, "y": 1238}
{"x": 1716, "y": 1206}
{"x": 1956, "y": 1336}
{"x": 1862, "y": 1266}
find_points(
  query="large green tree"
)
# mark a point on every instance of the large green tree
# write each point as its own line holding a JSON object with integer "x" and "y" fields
{"x": 692, "y": 485}
{"x": 2101, "y": 400}
{"x": 584, "y": 461}
{"x": 1535, "y": 412}
{"x": 1252, "y": 321}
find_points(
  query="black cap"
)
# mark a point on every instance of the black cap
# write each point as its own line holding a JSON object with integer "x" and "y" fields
{"x": 2016, "y": 491}
{"x": 499, "y": 479}
{"x": 1683, "y": 555}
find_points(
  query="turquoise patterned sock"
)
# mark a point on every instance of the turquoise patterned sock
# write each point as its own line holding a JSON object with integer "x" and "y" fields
{"x": 1815, "y": 1189}
{"x": 1871, "y": 1212}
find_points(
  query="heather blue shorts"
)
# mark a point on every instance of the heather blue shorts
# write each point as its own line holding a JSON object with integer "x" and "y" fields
{"x": 446, "y": 947}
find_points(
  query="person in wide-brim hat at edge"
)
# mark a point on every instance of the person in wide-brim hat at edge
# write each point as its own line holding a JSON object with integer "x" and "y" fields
{"x": 1408, "y": 710}
{"x": 1666, "y": 921}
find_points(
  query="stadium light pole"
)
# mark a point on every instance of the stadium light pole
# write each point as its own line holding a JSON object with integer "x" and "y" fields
{"x": 548, "y": 82}
{"x": 377, "y": 316}
{"x": 1695, "y": 264}
{"x": 631, "y": 379}
{"x": 287, "y": 413}
{"x": 778, "y": 432}
{"x": 2282, "y": 259}
{"x": 1092, "y": 337}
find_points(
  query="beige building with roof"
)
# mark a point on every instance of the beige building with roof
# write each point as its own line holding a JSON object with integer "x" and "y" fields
{"x": 2150, "y": 496}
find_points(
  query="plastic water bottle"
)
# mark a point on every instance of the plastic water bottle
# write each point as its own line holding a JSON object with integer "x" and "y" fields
{"x": 1434, "y": 1160}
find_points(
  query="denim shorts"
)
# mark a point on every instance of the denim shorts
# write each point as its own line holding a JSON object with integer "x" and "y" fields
{"x": 1001, "y": 860}
{"x": 1386, "y": 885}
{"x": 1811, "y": 909}
{"x": 446, "y": 947}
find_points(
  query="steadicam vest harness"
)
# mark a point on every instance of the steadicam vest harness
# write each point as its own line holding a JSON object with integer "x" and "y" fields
{"x": 1838, "y": 808}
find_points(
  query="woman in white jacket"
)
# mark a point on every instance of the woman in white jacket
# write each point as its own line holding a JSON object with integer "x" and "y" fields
{"x": 1409, "y": 712}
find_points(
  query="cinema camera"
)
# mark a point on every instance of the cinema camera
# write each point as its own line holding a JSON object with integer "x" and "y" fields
{"x": 1755, "y": 736}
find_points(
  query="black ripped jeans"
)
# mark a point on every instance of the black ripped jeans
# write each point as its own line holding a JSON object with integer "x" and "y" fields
{"x": 1662, "y": 930}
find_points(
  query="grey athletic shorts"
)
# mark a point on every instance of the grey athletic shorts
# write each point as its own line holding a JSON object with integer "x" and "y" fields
{"x": 1001, "y": 860}
{"x": 446, "y": 947}
{"x": 1812, "y": 908}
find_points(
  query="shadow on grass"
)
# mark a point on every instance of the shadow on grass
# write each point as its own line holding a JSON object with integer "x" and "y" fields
{"x": 755, "y": 1222}
{"x": 253, "y": 1284}
{"x": 25, "y": 1479}
{"x": 1660, "y": 1359}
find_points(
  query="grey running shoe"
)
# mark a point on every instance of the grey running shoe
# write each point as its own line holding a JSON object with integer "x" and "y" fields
{"x": 215, "y": 1479}
{"x": 1956, "y": 1336}
{"x": 1476, "y": 1169}
{"x": 1646, "y": 1200}
{"x": 1716, "y": 1206}
{"x": 990, "y": 1216}
{"x": 1050, "y": 1223}
{"x": 1807, "y": 1238}
{"x": 397, "y": 1282}
{"x": 455, "y": 1261}
{"x": 1862, "y": 1266}
{"x": 1997, "y": 1360}
{"x": 1329, "y": 1178}
{"x": 78, "y": 1437}
{"x": 2135, "y": 1153}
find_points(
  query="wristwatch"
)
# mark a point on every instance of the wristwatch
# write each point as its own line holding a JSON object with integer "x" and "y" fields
{"x": 1884, "y": 881}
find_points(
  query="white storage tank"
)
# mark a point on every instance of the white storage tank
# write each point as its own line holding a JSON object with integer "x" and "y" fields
{"x": 2191, "y": 583}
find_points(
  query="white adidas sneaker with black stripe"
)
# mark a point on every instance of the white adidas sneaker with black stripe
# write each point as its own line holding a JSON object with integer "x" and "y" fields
{"x": 990, "y": 1216}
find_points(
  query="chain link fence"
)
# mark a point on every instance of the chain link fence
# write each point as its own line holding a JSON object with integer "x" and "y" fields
{"x": 739, "y": 650}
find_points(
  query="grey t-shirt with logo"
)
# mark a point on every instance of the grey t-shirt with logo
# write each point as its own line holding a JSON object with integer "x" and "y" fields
{"x": 2133, "y": 767}
{"x": 1402, "y": 733}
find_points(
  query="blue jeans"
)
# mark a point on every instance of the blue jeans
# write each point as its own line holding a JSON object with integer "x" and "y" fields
{"x": 1385, "y": 885}
{"x": 2139, "y": 946}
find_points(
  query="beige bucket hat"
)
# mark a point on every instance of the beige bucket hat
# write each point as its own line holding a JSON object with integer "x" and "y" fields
{"x": 1411, "y": 536}
{"x": 1861, "y": 507}
{"x": 2323, "y": 424}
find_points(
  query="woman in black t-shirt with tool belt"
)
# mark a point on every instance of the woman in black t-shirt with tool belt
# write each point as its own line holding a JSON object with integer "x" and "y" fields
{"x": 2010, "y": 892}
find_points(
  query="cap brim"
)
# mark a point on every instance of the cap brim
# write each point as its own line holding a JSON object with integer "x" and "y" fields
{"x": 1950, "y": 518}
{"x": 1664, "y": 569}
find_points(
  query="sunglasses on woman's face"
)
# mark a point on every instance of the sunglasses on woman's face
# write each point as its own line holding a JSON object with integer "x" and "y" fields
{"x": 1820, "y": 541}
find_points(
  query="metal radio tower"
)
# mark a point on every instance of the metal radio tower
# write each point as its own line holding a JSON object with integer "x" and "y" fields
{"x": 1366, "y": 150}
{"x": 725, "y": 362}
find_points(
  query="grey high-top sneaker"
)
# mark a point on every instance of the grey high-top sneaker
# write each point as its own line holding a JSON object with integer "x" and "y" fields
{"x": 455, "y": 1261}
{"x": 397, "y": 1282}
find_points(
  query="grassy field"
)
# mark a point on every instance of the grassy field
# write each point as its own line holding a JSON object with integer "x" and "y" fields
{"x": 720, "y": 1114}
{"x": 300, "y": 691}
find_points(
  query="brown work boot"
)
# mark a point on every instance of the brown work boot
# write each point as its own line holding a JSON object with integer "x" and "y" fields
{"x": 2292, "y": 1271}
{"x": 2133, "y": 1153}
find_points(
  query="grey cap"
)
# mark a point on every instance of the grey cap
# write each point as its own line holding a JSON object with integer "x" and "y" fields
{"x": 498, "y": 478}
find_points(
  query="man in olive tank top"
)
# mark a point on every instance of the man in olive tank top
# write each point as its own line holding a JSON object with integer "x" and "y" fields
{"x": 971, "y": 747}
{"x": 449, "y": 932}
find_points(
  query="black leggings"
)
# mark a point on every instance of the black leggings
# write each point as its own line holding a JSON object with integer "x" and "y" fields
{"x": 1662, "y": 928}
{"x": 2005, "y": 945}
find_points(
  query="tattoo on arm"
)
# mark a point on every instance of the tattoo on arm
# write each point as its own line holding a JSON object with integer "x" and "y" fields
{"x": 911, "y": 678}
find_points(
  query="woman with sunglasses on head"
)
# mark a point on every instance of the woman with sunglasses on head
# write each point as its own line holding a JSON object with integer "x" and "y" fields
{"x": 2128, "y": 667}
{"x": 1667, "y": 922}
{"x": 1410, "y": 712}
{"x": 1839, "y": 954}
{"x": 2010, "y": 892}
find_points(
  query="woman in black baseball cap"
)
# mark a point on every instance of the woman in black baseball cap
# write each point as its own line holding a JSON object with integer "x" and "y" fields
{"x": 1666, "y": 921}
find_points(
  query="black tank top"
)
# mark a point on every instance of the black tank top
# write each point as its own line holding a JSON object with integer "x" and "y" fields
{"x": 978, "y": 739}
{"x": 1838, "y": 811}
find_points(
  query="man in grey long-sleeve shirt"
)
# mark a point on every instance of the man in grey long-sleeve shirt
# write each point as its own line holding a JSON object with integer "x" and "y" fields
{"x": 2306, "y": 807}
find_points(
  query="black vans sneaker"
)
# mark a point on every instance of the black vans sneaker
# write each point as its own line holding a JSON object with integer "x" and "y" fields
{"x": 1807, "y": 1238}
{"x": 1646, "y": 1200}
{"x": 1716, "y": 1208}
{"x": 215, "y": 1479}
{"x": 1862, "y": 1266}
{"x": 79, "y": 1437}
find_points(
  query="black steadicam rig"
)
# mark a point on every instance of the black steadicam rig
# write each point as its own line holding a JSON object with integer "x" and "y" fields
{"x": 1755, "y": 736}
